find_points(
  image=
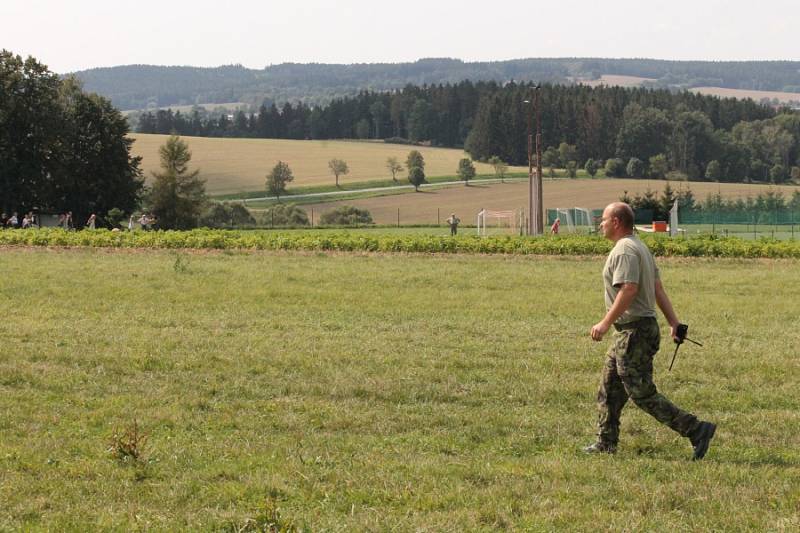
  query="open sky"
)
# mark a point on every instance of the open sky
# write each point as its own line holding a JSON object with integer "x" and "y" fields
{"x": 70, "y": 36}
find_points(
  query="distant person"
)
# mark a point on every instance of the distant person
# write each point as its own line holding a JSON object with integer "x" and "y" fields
{"x": 453, "y": 221}
{"x": 555, "y": 227}
{"x": 65, "y": 220}
{"x": 632, "y": 290}
{"x": 91, "y": 223}
{"x": 144, "y": 221}
{"x": 13, "y": 221}
{"x": 130, "y": 223}
{"x": 26, "y": 222}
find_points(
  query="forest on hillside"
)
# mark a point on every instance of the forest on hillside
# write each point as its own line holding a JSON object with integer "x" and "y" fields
{"x": 136, "y": 87}
{"x": 634, "y": 132}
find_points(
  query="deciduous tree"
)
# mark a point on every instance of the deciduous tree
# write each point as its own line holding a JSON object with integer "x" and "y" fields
{"x": 500, "y": 167}
{"x": 394, "y": 167}
{"x": 466, "y": 170}
{"x": 277, "y": 179}
{"x": 416, "y": 176}
{"x": 338, "y": 167}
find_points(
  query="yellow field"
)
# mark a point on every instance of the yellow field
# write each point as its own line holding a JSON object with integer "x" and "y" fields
{"x": 722, "y": 92}
{"x": 742, "y": 93}
{"x": 240, "y": 165}
{"x": 421, "y": 208}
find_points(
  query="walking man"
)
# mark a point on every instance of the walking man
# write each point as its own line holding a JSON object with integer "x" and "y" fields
{"x": 632, "y": 290}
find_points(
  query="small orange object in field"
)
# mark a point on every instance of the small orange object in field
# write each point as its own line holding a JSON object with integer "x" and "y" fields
{"x": 659, "y": 226}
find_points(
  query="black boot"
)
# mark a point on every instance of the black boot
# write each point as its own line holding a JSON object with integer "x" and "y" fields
{"x": 702, "y": 438}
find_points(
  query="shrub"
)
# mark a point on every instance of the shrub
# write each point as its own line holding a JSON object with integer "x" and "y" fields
{"x": 572, "y": 169}
{"x": 114, "y": 217}
{"x": 700, "y": 246}
{"x": 590, "y": 167}
{"x": 677, "y": 175}
{"x": 284, "y": 215}
{"x": 398, "y": 140}
{"x": 346, "y": 215}
{"x": 128, "y": 444}
{"x": 615, "y": 168}
{"x": 635, "y": 168}
{"x": 227, "y": 215}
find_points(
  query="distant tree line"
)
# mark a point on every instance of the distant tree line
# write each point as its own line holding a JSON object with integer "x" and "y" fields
{"x": 765, "y": 206}
{"x": 634, "y": 132}
{"x": 144, "y": 86}
{"x": 61, "y": 149}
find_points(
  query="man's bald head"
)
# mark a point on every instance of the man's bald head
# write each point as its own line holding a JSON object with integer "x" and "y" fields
{"x": 623, "y": 212}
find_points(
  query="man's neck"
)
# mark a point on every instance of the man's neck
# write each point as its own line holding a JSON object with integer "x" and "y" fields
{"x": 622, "y": 235}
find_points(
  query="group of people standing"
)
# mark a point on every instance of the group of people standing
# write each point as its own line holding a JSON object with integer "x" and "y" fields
{"x": 31, "y": 220}
{"x": 13, "y": 222}
{"x": 65, "y": 221}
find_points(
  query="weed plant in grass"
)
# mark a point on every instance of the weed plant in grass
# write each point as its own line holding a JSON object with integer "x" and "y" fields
{"x": 380, "y": 392}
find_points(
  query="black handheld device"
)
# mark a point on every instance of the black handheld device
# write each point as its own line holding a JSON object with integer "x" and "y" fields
{"x": 680, "y": 335}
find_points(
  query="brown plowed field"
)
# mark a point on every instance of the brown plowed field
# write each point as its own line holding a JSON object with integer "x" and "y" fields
{"x": 422, "y": 207}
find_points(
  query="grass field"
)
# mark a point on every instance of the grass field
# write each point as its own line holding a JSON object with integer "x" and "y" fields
{"x": 241, "y": 165}
{"x": 422, "y": 207}
{"x": 380, "y": 392}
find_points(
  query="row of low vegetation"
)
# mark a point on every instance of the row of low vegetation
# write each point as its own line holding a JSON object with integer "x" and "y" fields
{"x": 701, "y": 246}
{"x": 235, "y": 215}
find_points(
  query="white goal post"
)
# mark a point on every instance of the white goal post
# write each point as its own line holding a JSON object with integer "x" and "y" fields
{"x": 573, "y": 219}
{"x": 499, "y": 221}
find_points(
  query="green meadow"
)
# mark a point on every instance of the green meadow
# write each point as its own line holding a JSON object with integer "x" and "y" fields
{"x": 379, "y": 392}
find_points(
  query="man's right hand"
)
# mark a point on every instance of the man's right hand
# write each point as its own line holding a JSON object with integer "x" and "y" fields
{"x": 673, "y": 330}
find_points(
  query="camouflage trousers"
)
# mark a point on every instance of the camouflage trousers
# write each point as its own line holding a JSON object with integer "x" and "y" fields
{"x": 628, "y": 373}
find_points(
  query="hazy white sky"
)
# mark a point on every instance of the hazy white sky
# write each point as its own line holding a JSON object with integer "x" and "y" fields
{"x": 69, "y": 36}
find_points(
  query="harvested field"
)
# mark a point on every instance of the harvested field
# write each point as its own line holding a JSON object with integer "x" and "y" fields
{"x": 241, "y": 165}
{"x": 618, "y": 80}
{"x": 723, "y": 92}
{"x": 421, "y": 208}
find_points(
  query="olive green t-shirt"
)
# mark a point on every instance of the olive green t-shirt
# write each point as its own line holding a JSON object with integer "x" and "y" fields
{"x": 631, "y": 262}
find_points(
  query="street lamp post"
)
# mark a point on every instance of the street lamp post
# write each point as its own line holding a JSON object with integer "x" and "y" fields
{"x": 535, "y": 209}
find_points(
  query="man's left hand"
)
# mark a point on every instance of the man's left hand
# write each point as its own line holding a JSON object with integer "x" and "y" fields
{"x": 598, "y": 330}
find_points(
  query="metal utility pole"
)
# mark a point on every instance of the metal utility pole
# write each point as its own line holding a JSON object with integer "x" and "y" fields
{"x": 539, "y": 224}
{"x": 535, "y": 209}
{"x": 530, "y": 168}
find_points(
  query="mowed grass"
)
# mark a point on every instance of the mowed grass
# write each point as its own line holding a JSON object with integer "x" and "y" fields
{"x": 422, "y": 207}
{"x": 381, "y": 392}
{"x": 241, "y": 165}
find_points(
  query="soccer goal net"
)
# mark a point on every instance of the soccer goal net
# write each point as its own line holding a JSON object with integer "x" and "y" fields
{"x": 571, "y": 219}
{"x": 491, "y": 222}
